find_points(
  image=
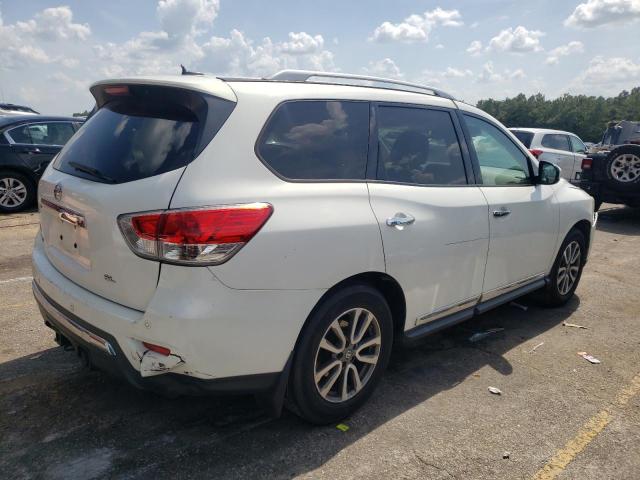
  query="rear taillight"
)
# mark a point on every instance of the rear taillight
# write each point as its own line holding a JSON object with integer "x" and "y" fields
{"x": 204, "y": 236}
{"x": 587, "y": 163}
{"x": 535, "y": 152}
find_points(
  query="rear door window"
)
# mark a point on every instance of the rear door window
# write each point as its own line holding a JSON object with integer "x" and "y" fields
{"x": 317, "y": 140}
{"x": 524, "y": 137}
{"x": 142, "y": 132}
{"x": 556, "y": 141}
{"x": 418, "y": 146}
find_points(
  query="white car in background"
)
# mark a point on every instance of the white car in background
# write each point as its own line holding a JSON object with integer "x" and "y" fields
{"x": 565, "y": 149}
{"x": 274, "y": 236}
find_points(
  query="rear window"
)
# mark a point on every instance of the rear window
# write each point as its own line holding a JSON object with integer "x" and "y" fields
{"x": 524, "y": 137}
{"x": 317, "y": 140}
{"x": 141, "y": 132}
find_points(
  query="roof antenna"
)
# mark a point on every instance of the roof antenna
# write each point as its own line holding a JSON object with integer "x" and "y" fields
{"x": 187, "y": 72}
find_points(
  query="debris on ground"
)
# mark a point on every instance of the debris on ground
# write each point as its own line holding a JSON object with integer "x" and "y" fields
{"x": 342, "y": 427}
{"x": 506, "y": 455}
{"x": 495, "y": 390}
{"x": 480, "y": 335}
{"x": 589, "y": 358}
{"x": 519, "y": 305}
{"x": 536, "y": 347}
{"x": 567, "y": 324}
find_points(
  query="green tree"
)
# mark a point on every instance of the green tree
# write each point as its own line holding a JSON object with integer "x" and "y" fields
{"x": 586, "y": 116}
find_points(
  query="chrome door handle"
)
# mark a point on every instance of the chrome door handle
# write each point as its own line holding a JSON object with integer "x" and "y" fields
{"x": 400, "y": 220}
{"x": 503, "y": 212}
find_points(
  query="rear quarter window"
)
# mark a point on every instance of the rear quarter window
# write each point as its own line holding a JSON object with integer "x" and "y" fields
{"x": 317, "y": 140}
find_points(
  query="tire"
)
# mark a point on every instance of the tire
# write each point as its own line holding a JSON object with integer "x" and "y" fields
{"x": 556, "y": 292}
{"x": 622, "y": 168}
{"x": 17, "y": 192}
{"x": 310, "y": 358}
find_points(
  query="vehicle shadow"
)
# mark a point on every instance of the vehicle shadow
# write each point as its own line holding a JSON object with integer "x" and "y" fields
{"x": 619, "y": 220}
{"x": 58, "y": 420}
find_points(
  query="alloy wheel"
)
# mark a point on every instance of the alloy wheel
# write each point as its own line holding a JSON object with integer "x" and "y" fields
{"x": 347, "y": 355}
{"x": 13, "y": 192}
{"x": 626, "y": 168}
{"x": 569, "y": 268}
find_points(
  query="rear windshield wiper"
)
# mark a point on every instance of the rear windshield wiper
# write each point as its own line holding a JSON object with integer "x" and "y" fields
{"x": 91, "y": 171}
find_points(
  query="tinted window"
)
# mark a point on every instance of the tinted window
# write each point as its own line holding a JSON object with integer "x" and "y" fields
{"x": 146, "y": 131}
{"x": 501, "y": 162}
{"x": 317, "y": 140}
{"x": 418, "y": 146}
{"x": 53, "y": 133}
{"x": 20, "y": 134}
{"x": 524, "y": 137}
{"x": 556, "y": 141}
{"x": 577, "y": 145}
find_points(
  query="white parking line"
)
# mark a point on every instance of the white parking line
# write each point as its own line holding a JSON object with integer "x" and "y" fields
{"x": 17, "y": 279}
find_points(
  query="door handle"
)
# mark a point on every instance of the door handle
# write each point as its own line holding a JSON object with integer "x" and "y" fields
{"x": 31, "y": 151}
{"x": 503, "y": 212}
{"x": 400, "y": 220}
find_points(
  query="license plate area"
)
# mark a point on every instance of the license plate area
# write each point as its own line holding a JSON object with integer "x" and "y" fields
{"x": 65, "y": 231}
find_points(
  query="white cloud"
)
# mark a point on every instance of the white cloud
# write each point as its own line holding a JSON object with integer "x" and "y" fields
{"x": 475, "y": 48}
{"x": 23, "y": 43}
{"x": 488, "y": 74}
{"x": 183, "y": 17}
{"x": 451, "y": 72}
{"x": 383, "y": 68}
{"x": 54, "y": 24}
{"x": 416, "y": 28}
{"x": 439, "y": 46}
{"x": 611, "y": 71}
{"x": 302, "y": 43}
{"x": 563, "y": 51}
{"x": 594, "y": 13}
{"x": 518, "y": 40}
{"x": 239, "y": 55}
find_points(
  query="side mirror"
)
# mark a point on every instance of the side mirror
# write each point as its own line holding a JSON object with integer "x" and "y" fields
{"x": 548, "y": 173}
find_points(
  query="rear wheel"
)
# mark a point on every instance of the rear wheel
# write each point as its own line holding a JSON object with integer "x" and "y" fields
{"x": 623, "y": 168}
{"x": 341, "y": 355}
{"x": 567, "y": 270}
{"x": 17, "y": 192}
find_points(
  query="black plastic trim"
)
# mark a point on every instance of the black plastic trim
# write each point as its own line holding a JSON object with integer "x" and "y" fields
{"x": 421, "y": 331}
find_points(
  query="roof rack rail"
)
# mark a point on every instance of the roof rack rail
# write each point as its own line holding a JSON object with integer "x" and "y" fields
{"x": 305, "y": 75}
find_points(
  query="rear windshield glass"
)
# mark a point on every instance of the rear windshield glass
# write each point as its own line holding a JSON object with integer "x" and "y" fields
{"x": 140, "y": 135}
{"x": 524, "y": 137}
{"x": 317, "y": 140}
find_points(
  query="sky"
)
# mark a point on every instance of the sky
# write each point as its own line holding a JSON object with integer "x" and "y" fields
{"x": 52, "y": 51}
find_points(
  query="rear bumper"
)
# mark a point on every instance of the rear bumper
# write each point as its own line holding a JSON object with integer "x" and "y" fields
{"x": 600, "y": 191}
{"x": 221, "y": 339}
{"x": 102, "y": 351}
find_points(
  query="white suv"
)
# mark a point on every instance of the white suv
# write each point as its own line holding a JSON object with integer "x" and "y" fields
{"x": 565, "y": 149}
{"x": 276, "y": 236}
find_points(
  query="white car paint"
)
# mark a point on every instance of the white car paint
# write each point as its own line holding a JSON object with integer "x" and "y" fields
{"x": 244, "y": 316}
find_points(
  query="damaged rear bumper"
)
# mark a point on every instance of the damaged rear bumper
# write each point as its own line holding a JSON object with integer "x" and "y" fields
{"x": 101, "y": 350}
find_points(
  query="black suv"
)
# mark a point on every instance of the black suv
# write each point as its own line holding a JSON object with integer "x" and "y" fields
{"x": 27, "y": 145}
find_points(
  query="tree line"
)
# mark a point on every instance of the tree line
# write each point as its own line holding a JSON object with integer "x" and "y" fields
{"x": 583, "y": 115}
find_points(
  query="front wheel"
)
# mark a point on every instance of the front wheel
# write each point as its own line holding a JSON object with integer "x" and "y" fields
{"x": 567, "y": 270}
{"x": 341, "y": 355}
